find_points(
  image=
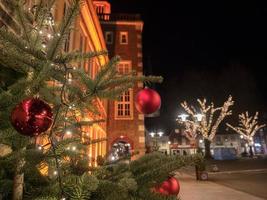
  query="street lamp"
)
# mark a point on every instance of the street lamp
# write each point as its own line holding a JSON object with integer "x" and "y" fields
{"x": 152, "y": 134}
{"x": 160, "y": 133}
{"x": 183, "y": 117}
{"x": 198, "y": 117}
{"x": 156, "y": 135}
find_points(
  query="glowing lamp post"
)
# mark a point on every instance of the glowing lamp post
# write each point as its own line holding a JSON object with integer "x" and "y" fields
{"x": 183, "y": 117}
{"x": 156, "y": 135}
{"x": 198, "y": 117}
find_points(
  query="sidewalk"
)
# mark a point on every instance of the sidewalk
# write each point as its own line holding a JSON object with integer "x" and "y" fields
{"x": 206, "y": 190}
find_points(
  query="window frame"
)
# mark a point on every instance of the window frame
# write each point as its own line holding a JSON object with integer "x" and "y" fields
{"x": 111, "y": 36}
{"x": 123, "y": 102}
{"x": 122, "y": 33}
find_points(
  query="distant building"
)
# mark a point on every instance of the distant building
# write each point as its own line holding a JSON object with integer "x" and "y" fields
{"x": 178, "y": 144}
{"x": 226, "y": 141}
{"x": 156, "y": 143}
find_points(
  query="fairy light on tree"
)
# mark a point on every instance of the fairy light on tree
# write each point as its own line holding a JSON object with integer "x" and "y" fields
{"x": 209, "y": 123}
{"x": 190, "y": 129}
{"x": 247, "y": 128}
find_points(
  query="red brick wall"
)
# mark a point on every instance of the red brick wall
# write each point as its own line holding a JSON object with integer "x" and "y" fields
{"x": 133, "y": 52}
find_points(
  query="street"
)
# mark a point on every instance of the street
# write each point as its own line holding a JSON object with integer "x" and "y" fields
{"x": 247, "y": 175}
{"x": 245, "y": 178}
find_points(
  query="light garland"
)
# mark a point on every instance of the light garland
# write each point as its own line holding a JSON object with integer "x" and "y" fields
{"x": 207, "y": 126}
{"x": 248, "y": 126}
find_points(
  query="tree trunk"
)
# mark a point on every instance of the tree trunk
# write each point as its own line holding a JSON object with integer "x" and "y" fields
{"x": 207, "y": 149}
{"x": 250, "y": 151}
{"x": 197, "y": 172}
{"x": 18, "y": 181}
{"x": 245, "y": 152}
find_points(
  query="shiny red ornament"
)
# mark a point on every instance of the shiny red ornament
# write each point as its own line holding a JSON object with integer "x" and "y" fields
{"x": 147, "y": 101}
{"x": 31, "y": 117}
{"x": 169, "y": 187}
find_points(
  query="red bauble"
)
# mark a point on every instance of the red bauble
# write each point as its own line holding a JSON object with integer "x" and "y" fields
{"x": 169, "y": 187}
{"x": 147, "y": 101}
{"x": 31, "y": 117}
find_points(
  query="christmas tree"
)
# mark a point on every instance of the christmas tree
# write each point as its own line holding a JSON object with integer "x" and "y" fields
{"x": 37, "y": 76}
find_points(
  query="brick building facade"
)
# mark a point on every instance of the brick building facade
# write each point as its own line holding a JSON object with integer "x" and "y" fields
{"x": 123, "y": 36}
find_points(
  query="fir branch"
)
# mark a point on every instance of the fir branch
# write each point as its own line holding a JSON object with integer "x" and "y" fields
{"x": 85, "y": 80}
{"x": 121, "y": 80}
{"x": 80, "y": 188}
{"x": 22, "y": 20}
{"x": 114, "y": 93}
{"x": 24, "y": 61}
{"x": 104, "y": 72}
{"x": 78, "y": 56}
{"x": 40, "y": 16}
{"x": 56, "y": 44}
{"x": 20, "y": 45}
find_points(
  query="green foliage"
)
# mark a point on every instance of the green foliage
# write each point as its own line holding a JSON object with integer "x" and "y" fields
{"x": 80, "y": 187}
{"x": 200, "y": 161}
{"x": 136, "y": 180}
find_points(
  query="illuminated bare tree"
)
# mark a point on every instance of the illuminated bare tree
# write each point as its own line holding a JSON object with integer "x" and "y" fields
{"x": 190, "y": 130}
{"x": 247, "y": 128}
{"x": 207, "y": 123}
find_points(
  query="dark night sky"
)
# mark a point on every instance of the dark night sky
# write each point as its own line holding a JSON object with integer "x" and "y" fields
{"x": 203, "y": 50}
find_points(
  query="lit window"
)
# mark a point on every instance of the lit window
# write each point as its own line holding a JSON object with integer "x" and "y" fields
{"x": 109, "y": 37}
{"x": 123, "y": 37}
{"x": 124, "y": 105}
{"x": 124, "y": 67}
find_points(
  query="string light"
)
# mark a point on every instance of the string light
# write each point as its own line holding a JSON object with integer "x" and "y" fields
{"x": 68, "y": 148}
{"x": 205, "y": 119}
{"x": 58, "y": 34}
{"x": 73, "y": 148}
{"x": 55, "y": 173}
{"x": 49, "y": 36}
{"x": 41, "y": 32}
{"x": 40, "y": 148}
{"x": 68, "y": 132}
{"x": 43, "y": 45}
